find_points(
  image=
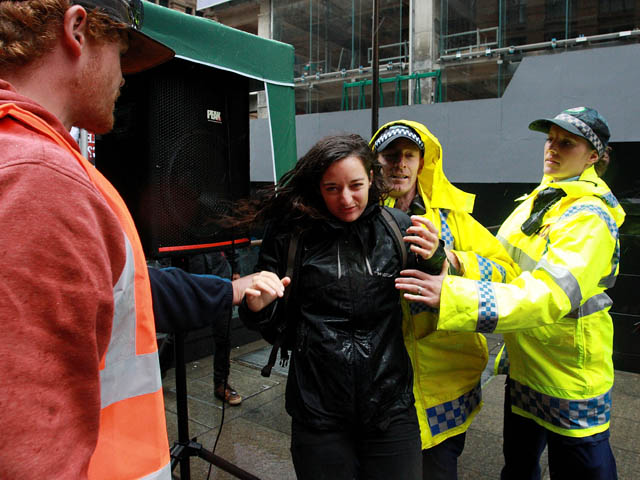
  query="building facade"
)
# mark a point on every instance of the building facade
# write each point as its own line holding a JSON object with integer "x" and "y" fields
{"x": 476, "y": 72}
{"x": 430, "y": 50}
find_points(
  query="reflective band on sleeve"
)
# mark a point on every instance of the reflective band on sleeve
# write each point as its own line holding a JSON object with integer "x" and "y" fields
{"x": 451, "y": 414}
{"x": 487, "y": 307}
{"x": 595, "y": 304}
{"x": 445, "y": 231}
{"x": 613, "y": 230}
{"x": 486, "y": 269}
{"x": 163, "y": 474}
{"x": 565, "y": 280}
{"x": 524, "y": 261}
{"x": 126, "y": 374}
{"x": 562, "y": 412}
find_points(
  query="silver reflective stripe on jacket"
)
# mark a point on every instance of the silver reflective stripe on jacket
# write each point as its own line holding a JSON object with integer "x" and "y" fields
{"x": 524, "y": 261}
{"x": 126, "y": 374}
{"x": 595, "y": 304}
{"x": 565, "y": 280}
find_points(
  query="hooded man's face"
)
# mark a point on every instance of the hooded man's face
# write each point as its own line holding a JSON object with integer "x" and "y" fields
{"x": 401, "y": 163}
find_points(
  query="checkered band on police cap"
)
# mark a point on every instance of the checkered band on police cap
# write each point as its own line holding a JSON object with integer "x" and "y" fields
{"x": 394, "y": 132}
{"x": 582, "y": 121}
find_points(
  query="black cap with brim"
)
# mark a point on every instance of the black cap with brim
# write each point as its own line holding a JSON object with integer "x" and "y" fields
{"x": 583, "y": 122}
{"x": 144, "y": 52}
{"x": 544, "y": 125}
{"x": 394, "y": 132}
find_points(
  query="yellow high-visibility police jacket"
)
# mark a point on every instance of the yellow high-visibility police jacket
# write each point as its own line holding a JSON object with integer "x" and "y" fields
{"x": 554, "y": 315}
{"x": 448, "y": 365}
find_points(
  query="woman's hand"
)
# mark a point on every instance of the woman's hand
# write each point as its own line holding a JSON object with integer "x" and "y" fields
{"x": 265, "y": 287}
{"x": 423, "y": 235}
{"x": 422, "y": 287}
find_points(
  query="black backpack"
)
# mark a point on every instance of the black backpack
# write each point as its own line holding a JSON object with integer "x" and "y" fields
{"x": 278, "y": 330}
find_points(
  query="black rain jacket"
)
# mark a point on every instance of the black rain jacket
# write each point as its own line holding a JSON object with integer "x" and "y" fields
{"x": 349, "y": 366}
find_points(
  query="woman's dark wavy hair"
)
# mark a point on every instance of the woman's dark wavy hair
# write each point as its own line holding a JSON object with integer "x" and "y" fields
{"x": 297, "y": 198}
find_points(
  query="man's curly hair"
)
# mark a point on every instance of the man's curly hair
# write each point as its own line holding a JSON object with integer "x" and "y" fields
{"x": 29, "y": 29}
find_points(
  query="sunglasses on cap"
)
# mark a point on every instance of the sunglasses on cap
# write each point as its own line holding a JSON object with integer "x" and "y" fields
{"x": 129, "y": 12}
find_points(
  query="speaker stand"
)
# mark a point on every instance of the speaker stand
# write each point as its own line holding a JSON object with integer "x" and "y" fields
{"x": 185, "y": 448}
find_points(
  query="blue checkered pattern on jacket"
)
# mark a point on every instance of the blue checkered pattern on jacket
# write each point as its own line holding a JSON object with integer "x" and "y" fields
{"x": 486, "y": 269}
{"x": 562, "y": 412}
{"x": 445, "y": 231}
{"x": 611, "y": 225}
{"x": 451, "y": 414}
{"x": 503, "y": 364}
{"x": 487, "y": 307}
{"x": 610, "y": 199}
{"x": 418, "y": 307}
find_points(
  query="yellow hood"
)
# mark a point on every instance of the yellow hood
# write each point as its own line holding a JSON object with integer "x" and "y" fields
{"x": 437, "y": 192}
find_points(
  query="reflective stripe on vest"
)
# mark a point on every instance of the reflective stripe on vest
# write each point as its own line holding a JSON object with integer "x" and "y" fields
{"x": 562, "y": 412}
{"x": 524, "y": 261}
{"x": 126, "y": 374}
{"x": 565, "y": 280}
{"x": 132, "y": 438}
{"x": 595, "y": 304}
{"x": 451, "y": 414}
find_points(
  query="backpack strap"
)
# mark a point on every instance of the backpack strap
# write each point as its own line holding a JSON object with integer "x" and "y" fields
{"x": 397, "y": 235}
{"x": 280, "y": 337}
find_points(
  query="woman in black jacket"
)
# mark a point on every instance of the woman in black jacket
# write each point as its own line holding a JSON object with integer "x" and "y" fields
{"x": 349, "y": 390}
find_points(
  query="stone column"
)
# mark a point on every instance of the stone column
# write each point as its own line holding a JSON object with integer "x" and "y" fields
{"x": 426, "y": 40}
{"x": 264, "y": 30}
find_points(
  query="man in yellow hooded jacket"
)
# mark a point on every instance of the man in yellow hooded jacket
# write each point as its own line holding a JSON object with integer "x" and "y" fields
{"x": 447, "y": 365}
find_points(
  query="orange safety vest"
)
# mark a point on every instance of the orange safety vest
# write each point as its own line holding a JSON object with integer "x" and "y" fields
{"x": 132, "y": 441}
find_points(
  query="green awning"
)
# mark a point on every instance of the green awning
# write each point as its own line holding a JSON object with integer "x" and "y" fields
{"x": 204, "y": 41}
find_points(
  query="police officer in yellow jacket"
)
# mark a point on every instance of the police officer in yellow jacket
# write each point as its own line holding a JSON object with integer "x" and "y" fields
{"x": 554, "y": 315}
{"x": 447, "y": 366}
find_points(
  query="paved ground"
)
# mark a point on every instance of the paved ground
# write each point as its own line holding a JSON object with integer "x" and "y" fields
{"x": 255, "y": 435}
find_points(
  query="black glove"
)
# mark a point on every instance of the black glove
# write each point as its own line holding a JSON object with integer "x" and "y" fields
{"x": 433, "y": 265}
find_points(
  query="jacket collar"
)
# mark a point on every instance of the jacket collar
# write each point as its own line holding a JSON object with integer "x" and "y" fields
{"x": 8, "y": 94}
{"x": 588, "y": 184}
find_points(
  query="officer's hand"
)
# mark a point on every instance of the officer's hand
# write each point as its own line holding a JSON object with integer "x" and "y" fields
{"x": 422, "y": 287}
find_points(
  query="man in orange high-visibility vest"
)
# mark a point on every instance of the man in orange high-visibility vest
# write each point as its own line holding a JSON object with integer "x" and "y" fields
{"x": 80, "y": 389}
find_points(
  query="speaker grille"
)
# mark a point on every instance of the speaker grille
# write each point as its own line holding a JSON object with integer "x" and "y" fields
{"x": 189, "y": 124}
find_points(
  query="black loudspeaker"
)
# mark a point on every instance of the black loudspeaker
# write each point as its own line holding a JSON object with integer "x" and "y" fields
{"x": 179, "y": 155}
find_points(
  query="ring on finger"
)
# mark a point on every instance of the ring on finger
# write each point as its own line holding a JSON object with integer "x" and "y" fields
{"x": 419, "y": 290}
